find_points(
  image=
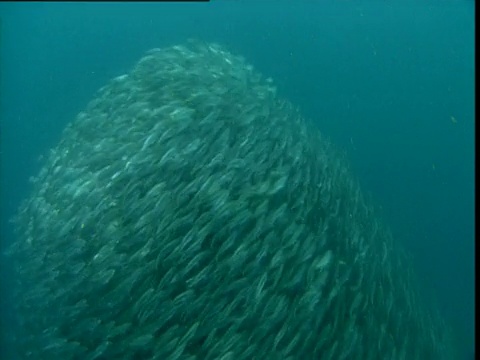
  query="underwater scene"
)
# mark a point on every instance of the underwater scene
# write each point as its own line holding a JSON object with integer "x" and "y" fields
{"x": 237, "y": 180}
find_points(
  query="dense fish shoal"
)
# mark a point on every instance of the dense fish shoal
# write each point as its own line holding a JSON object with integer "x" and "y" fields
{"x": 191, "y": 213}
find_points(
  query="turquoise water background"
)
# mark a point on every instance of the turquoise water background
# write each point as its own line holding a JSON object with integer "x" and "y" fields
{"x": 390, "y": 83}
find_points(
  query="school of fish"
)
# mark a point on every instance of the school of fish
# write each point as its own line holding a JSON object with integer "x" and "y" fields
{"x": 191, "y": 213}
